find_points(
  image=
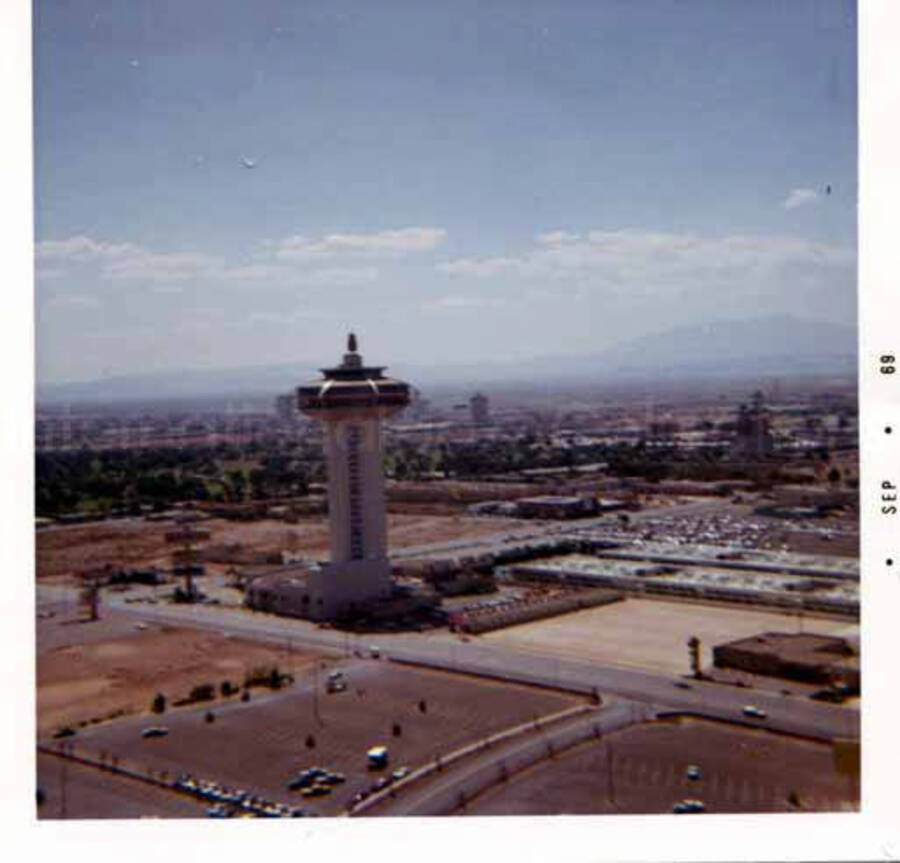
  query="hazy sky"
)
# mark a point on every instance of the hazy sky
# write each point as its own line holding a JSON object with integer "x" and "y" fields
{"x": 454, "y": 180}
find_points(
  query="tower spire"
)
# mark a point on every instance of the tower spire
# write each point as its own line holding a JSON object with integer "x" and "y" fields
{"x": 352, "y": 359}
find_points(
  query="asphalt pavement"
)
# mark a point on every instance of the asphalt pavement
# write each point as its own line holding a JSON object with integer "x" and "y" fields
{"x": 790, "y": 714}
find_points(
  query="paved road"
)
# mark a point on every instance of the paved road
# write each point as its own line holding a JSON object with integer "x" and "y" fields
{"x": 439, "y": 793}
{"x": 785, "y": 713}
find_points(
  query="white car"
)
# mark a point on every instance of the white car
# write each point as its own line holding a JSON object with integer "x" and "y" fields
{"x": 688, "y": 806}
{"x": 755, "y": 712}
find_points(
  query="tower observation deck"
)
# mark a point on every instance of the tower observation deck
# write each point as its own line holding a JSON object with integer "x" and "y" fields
{"x": 352, "y": 399}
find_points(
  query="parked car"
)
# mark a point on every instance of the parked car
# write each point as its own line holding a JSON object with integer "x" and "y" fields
{"x": 754, "y": 712}
{"x": 377, "y": 757}
{"x": 400, "y": 772}
{"x": 688, "y": 806}
{"x": 155, "y": 731}
{"x": 693, "y": 772}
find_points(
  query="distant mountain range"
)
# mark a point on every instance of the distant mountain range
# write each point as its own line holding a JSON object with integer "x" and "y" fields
{"x": 737, "y": 349}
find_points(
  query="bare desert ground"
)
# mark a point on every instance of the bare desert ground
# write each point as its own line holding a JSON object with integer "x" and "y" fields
{"x": 96, "y": 678}
{"x": 62, "y": 551}
{"x": 652, "y": 634}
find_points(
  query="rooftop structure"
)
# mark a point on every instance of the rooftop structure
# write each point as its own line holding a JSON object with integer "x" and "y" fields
{"x": 799, "y": 656}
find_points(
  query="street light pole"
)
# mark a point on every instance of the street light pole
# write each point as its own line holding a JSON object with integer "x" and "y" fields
{"x": 316, "y": 693}
{"x": 612, "y": 796}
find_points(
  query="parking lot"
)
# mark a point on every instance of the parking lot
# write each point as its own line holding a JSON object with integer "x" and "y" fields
{"x": 73, "y": 790}
{"x": 645, "y": 770}
{"x": 261, "y": 745}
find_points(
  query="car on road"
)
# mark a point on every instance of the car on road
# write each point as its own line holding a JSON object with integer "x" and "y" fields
{"x": 688, "y": 806}
{"x": 316, "y": 790}
{"x": 374, "y": 652}
{"x": 400, "y": 772}
{"x": 155, "y": 731}
{"x": 693, "y": 772}
{"x": 754, "y": 712}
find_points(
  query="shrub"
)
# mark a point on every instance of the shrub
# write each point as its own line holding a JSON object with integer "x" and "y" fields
{"x": 210, "y": 716}
{"x": 159, "y": 703}
{"x": 396, "y": 730}
{"x": 310, "y": 741}
{"x": 245, "y": 695}
{"x": 264, "y": 676}
{"x": 228, "y": 688}
{"x": 203, "y": 692}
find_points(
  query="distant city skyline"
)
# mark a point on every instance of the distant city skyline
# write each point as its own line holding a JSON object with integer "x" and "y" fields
{"x": 220, "y": 185}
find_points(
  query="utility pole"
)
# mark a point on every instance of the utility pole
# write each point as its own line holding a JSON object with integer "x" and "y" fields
{"x": 609, "y": 773}
{"x": 316, "y": 693}
{"x": 62, "y": 797}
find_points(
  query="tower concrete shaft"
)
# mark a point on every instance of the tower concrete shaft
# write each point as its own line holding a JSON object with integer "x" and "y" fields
{"x": 352, "y": 400}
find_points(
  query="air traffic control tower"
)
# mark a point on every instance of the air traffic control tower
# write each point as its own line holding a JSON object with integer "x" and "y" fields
{"x": 352, "y": 399}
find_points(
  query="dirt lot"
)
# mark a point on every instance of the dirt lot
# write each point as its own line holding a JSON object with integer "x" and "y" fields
{"x": 260, "y": 745}
{"x": 741, "y": 771}
{"x": 652, "y": 634}
{"x": 64, "y": 550}
{"x": 98, "y": 676}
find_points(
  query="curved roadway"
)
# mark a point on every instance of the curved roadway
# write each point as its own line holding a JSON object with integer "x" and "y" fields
{"x": 785, "y": 713}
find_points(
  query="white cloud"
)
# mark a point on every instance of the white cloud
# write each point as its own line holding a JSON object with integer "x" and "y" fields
{"x": 392, "y": 243}
{"x": 800, "y": 198}
{"x": 457, "y": 302}
{"x": 557, "y": 238}
{"x": 82, "y": 249}
{"x": 342, "y": 276}
{"x": 254, "y": 273}
{"x": 280, "y": 318}
{"x": 75, "y": 301}
{"x": 153, "y": 266}
{"x": 645, "y": 259}
{"x": 127, "y": 261}
{"x": 475, "y": 267}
